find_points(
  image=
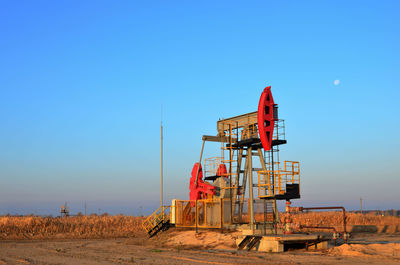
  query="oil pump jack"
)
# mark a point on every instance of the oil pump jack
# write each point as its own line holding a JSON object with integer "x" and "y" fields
{"x": 224, "y": 194}
{"x": 257, "y": 134}
{"x": 239, "y": 189}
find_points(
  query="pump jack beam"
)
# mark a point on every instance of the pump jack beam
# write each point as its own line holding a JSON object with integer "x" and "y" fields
{"x": 220, "y": 139}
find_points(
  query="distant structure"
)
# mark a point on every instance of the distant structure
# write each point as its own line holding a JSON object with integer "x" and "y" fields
{"x": 64, "y": 210}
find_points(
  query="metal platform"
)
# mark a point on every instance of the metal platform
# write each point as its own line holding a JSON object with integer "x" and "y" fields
{"x": 255, "y": 143}
{"x": 281, "y": 243}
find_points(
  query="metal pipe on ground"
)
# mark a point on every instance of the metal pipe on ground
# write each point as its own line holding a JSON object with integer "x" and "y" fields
{"x": 322, "y": 227}
{"x": 331, "y": 208}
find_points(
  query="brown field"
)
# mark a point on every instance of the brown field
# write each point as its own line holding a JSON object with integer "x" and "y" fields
{"x": 386, "y": 224}
{"x": 120, "y": 240}
{"x": 94, "y": 227}
{"x": 34, "y": 227}
{"x": 336, "y": 219}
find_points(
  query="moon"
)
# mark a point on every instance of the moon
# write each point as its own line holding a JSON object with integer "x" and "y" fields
{"x": 336, "y": 82}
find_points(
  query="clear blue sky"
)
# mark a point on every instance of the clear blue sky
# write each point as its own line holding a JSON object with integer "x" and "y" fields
{"x": 82, "y": 83}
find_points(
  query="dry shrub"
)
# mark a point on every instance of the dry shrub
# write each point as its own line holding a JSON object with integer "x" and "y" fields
{"x": 34, "y": 227}
{"x": 336, "y": 219}
{"x": 78, "y": 227}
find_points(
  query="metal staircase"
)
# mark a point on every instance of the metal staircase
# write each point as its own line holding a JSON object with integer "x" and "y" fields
{"x": 249, "y": 242}
{"x": 157, "y": 221}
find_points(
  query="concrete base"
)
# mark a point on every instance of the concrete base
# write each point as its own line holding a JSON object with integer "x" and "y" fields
{"x": 279, "y": 243}
{"x": 267, "y": 245}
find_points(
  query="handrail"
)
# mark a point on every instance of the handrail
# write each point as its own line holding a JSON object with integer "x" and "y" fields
{"x": 272, "y": 182}
{"x": 155, "y": 218}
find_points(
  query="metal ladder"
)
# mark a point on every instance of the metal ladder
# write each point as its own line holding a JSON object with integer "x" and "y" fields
{"x": 249, "y": 242}
{"x": 157, "y": 221}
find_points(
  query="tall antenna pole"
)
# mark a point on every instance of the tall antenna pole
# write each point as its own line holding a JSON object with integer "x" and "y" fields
{"x": 162, "y": 203}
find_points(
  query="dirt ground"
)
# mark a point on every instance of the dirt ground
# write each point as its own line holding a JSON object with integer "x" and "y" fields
{"x": 173, "y": 247}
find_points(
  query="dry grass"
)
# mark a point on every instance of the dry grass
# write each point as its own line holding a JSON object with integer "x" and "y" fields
{"x": 78, "y": 227}
{"x": 383, "y": 224}
{"x": 336, "y": 219}
{"x": 34, "y": 227}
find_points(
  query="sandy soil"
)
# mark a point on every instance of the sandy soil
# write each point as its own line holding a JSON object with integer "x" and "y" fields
{"x": 173, "y": 247}
{"x": 204, "y": 240}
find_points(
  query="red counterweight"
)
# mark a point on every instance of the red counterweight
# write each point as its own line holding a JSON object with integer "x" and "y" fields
{"x": 265, "y": 118}
{"x": 198, "y": 191}
{"x": 221, "y": 171}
